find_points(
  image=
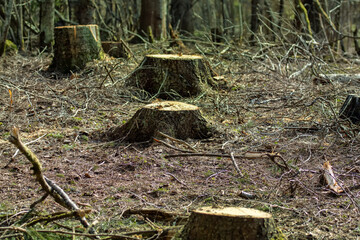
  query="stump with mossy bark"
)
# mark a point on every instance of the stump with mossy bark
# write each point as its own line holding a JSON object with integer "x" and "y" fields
{"x": 116, "y": 49}
{"x": 177, "y": 119}
{"x": 75, "y": 46}
{"x": 171, "y": 76}
{"x": 230, "y": 223}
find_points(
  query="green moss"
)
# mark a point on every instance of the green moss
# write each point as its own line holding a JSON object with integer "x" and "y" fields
{"x": 10, "y": 47}
{"x": 278, "y": 235}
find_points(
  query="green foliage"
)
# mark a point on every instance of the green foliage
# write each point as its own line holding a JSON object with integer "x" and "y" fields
{"x": 69, "y": 146}
{"x": 56, "y": 135}
{"x": 208, "y": 173}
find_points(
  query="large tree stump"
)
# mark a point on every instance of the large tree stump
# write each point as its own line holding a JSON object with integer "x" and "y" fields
{"x": 116, "y": 49}
{"x": 351, "y": 109}
{"x": 177, "y": 119}
{"x": 75, "y": 46}
{"x": 171, "y": 75}
{"x": 230, "y": 223}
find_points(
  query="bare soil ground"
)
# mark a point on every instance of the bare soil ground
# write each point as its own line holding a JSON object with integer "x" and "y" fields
{"x": 257, "y": 108}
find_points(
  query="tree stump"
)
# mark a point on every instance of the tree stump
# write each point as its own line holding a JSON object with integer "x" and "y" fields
{"x": 75, "y": 46}
{"x": 116, "y": 49}
{"x": 351, "y": 109}
{"x": 177, "y": 119}
{"x": 230, "y": 223}
{"x": 172, "y": 76}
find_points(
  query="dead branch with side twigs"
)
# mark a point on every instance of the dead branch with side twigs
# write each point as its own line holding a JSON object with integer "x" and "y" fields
{"x": 47, "y": 185}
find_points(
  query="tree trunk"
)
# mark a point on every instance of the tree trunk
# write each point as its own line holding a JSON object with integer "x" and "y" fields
{"x": 172, "y": 76}
{"x": 83, "y": 11}
{"x": 182, "y": 15}
{"x": 254, "y": 21}
{"x": 308, "y": 17}
{"x": 153, "y": 18}
{"x": 5, "y": 26}
{"x": 19, "y": 27}
{"x": 47, "y": 10}
{"x": 230, "y": 223}
{"x": 75, "y": 46}
{"x": 177, "y": 119}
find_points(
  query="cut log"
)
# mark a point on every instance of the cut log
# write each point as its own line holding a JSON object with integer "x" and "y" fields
{"x": 116, "y": 49}
{"x": 351, "y": 109}
{"x": 230, "y": 223}
{"x": 75, "y": 46}
{"x": 171, "y": 76}
{"x": 177, "y": 119}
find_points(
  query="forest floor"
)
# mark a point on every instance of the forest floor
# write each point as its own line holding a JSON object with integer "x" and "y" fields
{"x": 262, "y": 106}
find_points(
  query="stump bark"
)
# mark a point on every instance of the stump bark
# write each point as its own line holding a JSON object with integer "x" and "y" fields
{"x": 171, "y": 76}
{"x": 177, "y": 119}
{"x": 75, "y": 46}
{"x": 230, "y": 223}
{"x": 351, "y": 109}
{"x": 116, "y": 49}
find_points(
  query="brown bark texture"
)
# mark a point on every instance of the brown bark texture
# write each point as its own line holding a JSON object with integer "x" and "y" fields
{"x": 75, "y": 46}
{"x": 177, "y": 119}
{"x": 172, "y": 76}
{"x": 230, "y": 223}
{"x": 153, "y": 16}
{"x": 47, "y": 9}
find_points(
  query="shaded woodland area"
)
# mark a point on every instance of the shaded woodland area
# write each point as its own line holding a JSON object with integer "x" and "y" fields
{"x": 141, "y": 118}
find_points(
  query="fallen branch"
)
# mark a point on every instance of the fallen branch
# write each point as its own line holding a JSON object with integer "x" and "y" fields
{"x": 178, "y": 140}
{"x": 157, "y": 214}
{"x": 248, "y": 155}
{"x": 47, "y": 185}
{"x": 172, "y": 175}
{"x": 235, "y": 164}
{"x": 171, "y": 146}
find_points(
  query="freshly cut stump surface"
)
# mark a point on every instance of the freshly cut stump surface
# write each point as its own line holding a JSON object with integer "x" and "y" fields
{"x": 177, "y": 119}
{"x": 230, "y": 223}
{"x": 75, "y": 46}
{"x": 172, "y": 76}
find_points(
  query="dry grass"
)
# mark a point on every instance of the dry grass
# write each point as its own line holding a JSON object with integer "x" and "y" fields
{"x": 259, "y": 108}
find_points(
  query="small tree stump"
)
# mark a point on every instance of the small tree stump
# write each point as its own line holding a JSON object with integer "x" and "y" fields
{"x": 351, "y": 109}
{"x": 172, "y": 75}
{"x": 177, "y": 119}
{"x": 116, "y": 49}
{"x": 230, "y": 223}
{"x": 75, "y": 46}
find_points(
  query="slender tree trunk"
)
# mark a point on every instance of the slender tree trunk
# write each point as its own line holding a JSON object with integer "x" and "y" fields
{"x": 19, "y": 29}
{"x": 5, "y": 27}
{"x": 281, "y": 12}
{"x": 47, "y": 10}
{"x": 254, "y": 21}
{"x": 153, "y": 18}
